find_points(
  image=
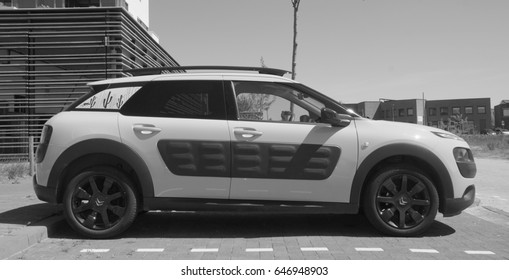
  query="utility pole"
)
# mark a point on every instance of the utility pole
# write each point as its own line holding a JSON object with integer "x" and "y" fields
{"x": 295, "y": 4}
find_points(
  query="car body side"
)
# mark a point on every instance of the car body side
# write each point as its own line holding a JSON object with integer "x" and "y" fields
{"x": 102, "y": 142}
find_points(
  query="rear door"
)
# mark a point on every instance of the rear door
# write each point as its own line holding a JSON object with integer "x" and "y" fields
{"x": 179, "y": 128}
{"x": 281, "y": 150}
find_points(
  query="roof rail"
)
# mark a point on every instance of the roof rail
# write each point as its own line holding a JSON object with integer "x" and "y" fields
{"x": 160, "y": 70}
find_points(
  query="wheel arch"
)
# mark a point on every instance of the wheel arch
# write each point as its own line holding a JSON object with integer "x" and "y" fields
{"x": 96, "y": 152}
{"x": 417, "y": 156}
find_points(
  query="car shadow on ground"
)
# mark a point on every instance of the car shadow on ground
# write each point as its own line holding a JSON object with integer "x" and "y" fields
{"x": 29, "y": 215}
{"x": 249, "y": 225}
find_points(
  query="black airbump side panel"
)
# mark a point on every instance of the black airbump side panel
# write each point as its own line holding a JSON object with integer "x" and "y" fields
{"x": 249, "y": 160}
{"x": 196, "y": 158}
{"x": 284, "y": 161}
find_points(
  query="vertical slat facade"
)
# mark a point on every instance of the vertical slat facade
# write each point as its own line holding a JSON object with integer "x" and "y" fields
{"x": 48, "y": 55}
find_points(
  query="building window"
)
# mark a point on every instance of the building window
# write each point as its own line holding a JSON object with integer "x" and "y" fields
{"x": 401, "y": 112}
{"x": 46, "y": 3}
{"x": 505, "y": 112}
{"x": 410, "y": 112}
{"x": 456, "y": 110}
{"x": 9, "y": 3}
{"x": 432, "y": 111}
{"x": 469, "y": 110}
{"x": 481, "y": 110}
{"x": 444, "y": 111}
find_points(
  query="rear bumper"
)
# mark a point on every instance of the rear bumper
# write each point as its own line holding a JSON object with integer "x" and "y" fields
{"x": 47, "y": 194}
{"x": 454, "y": 206}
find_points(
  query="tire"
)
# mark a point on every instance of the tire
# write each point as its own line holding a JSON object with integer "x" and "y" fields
{"x": 100, "y": 202}
{"x": 401, "y": 201}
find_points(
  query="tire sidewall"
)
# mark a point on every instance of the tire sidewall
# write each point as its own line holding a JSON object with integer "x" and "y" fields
{"x": 127, "y": 187}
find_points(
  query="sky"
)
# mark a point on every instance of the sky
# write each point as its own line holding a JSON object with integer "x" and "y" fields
{"x": 351, "y": 50}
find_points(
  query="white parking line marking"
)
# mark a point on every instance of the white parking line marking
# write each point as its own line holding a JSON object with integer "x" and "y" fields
{"x": 314, "y": 249}
{"x": 369, "y": 249}
{"x": 259, "y": 250}
{"x": 480, "y": 252}
{"x": 150, "y": 250}
{"x": 94, "y": 250}
{"x": 430, "y": 251}
{"x": 205, "y": 250}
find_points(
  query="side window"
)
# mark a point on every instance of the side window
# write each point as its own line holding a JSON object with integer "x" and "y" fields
{"x": 108, "y": 99}
{"x": 179, "y": 99}
{"x": 264, "y": 101}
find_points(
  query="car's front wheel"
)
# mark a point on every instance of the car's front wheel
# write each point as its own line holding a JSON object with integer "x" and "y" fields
{"x": 401, "y": 201}
{"x": 100, "y": 202}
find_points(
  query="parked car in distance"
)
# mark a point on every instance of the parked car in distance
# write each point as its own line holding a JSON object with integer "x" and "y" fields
{"x": 488, "y": 132}
{"x": 501, "y": 131}
{"x": 227, "y": 139}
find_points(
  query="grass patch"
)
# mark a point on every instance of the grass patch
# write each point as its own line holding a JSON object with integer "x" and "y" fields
{"x": 488, "y": 146}
{"x": 13, "y": 171}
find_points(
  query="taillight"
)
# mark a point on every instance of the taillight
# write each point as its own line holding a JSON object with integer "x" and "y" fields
{"x": 43, "y": 146}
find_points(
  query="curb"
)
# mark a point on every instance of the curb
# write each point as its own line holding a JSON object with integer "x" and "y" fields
{"x": 27, "y": 236}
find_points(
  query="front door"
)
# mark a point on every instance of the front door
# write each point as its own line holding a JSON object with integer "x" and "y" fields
{"x": 281, "y": 151}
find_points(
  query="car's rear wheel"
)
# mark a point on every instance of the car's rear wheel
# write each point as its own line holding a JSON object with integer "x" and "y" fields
{"x": 100, "y": 202}
{"x": 401, "y": 201}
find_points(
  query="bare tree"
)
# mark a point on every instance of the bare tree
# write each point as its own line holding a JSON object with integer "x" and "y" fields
{"x": 251, "y": 105}
{"x": 262, "y": 62}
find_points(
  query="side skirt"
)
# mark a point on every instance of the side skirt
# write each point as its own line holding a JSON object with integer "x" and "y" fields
{"x": 224, "y": 205}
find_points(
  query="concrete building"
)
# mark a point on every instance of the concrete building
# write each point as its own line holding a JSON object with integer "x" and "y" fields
{"x": 50, "y": 49}
{"x": 455, "y": 115}
{"x": 409, "y": 110}
{"x": 367, "y": 109}
{"x": 473, "y": 114}
{"x": 502, "y": 114}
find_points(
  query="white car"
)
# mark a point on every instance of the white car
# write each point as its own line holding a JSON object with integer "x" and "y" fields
{"x": 227, "y": 140}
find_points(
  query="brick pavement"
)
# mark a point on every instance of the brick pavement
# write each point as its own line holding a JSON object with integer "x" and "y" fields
{"x": 24, "y": 222}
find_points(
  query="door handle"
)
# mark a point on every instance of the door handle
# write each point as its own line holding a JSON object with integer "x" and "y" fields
{"x": 247, "y": 133}
{"x": 146, "y": 129}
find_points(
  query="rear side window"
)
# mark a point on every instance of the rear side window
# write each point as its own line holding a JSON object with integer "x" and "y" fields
{"x": 108, "y": 99}
{"x": 178, "y": 99}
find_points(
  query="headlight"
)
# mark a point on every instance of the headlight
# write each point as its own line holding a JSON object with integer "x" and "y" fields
{"x": 463, "y": 155}
{"x": 465, "y": 161}
{"x": 447, "y": 135}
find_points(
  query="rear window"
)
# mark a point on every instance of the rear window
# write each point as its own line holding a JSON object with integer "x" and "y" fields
{"x": 108, "y": 99}
{"x": 179, "y": 99}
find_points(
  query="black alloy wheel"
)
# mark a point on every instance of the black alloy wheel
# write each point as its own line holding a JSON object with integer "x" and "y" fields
{"x": 100, "y": 203}
{"x": 401, "y": 201}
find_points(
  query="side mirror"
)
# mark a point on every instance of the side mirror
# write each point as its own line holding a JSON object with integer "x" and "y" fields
{"x": 331, "y": 117}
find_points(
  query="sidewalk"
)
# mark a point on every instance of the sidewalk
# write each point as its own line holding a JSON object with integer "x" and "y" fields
{"x": 25, "y": 220}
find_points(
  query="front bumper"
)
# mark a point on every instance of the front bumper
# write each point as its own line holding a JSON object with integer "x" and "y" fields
{"x": 454, "y": 206}
{"x": 48, "y": 194}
